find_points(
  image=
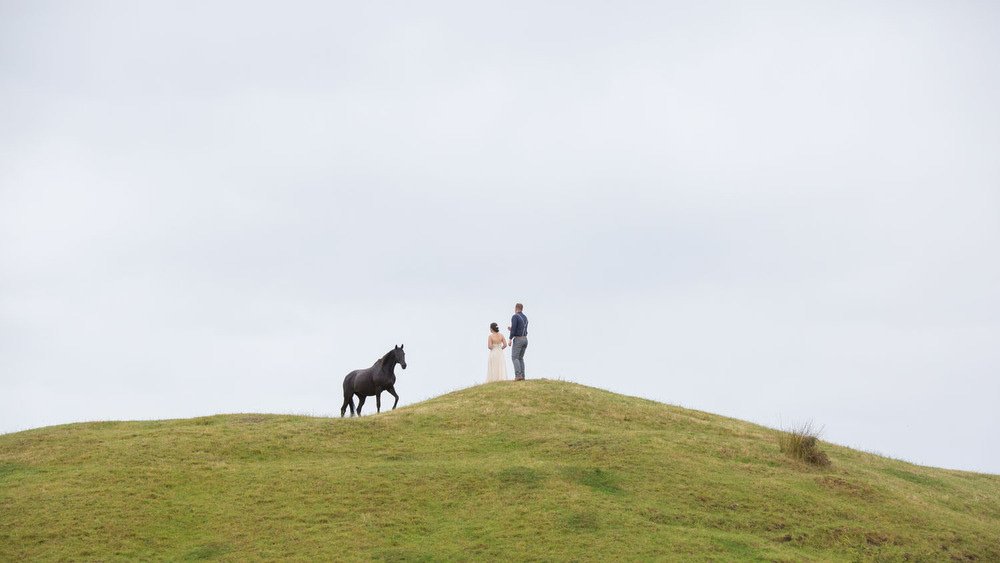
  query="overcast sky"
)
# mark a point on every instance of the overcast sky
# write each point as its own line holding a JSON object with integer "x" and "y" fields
{"x": 775, "y": 211}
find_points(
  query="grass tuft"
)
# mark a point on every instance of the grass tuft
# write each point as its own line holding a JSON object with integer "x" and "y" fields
{"x": 802, "y": 443}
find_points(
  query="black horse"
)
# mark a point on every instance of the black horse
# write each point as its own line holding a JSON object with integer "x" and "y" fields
{"x": 372, "y": 381}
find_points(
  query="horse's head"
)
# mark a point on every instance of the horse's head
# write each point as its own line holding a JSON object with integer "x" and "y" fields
{"x": 400, "y": 355}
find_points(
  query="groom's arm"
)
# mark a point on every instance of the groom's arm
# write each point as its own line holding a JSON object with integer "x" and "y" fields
{"x": 513, "y": 326}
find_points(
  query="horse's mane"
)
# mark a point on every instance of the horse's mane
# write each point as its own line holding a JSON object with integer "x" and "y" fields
{"x": 386, "y": 358}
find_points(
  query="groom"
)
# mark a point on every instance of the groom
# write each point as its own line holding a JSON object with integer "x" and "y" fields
{"x": 518, "y": 340}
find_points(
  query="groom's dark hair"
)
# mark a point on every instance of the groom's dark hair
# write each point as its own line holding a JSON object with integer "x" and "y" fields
{"x": 518, "y": 307}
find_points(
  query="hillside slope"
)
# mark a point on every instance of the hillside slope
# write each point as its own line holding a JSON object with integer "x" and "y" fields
{"x": 540, "y": 469}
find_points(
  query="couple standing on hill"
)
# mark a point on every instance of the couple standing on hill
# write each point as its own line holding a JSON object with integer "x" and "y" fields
{"x": 496, "y": 369}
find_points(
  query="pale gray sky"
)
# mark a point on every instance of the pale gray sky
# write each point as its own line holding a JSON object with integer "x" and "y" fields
{"x": 777, "y": 211}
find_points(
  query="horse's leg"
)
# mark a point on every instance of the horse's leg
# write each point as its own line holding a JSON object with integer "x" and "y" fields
{"x": 348, "y": 401}
{"x": 392, "y": 391}
{"x": 361, "y": 402}
{"x": 378, "y": 402}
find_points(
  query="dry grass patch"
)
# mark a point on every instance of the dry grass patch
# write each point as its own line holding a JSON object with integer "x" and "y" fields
{"x": 802, "y": 443}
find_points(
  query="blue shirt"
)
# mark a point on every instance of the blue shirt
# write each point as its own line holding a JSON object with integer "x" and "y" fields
{"x": 518, "y": 325}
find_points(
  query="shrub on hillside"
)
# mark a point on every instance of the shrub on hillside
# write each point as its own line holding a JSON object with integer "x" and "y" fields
{"x": 803, "y": 443}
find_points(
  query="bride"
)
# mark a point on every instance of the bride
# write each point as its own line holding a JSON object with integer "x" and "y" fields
{"x": 496, "y": 369}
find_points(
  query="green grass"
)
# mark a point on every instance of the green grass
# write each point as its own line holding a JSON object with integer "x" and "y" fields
{"x": 538, "y": 470}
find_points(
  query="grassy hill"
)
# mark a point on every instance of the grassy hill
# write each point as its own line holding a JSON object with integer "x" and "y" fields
{"x": 534, "y": 470}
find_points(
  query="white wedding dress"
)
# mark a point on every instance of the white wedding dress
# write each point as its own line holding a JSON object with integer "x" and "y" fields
{"x": 496, "y": 368}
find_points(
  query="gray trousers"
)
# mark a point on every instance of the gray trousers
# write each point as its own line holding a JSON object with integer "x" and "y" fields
{"x": 518, "y": 345}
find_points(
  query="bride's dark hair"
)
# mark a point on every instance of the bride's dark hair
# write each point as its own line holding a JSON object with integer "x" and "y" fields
{"x": 494, "y": 327}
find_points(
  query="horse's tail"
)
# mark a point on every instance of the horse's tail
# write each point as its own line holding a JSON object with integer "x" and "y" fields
{"x": 348, "y": 394}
